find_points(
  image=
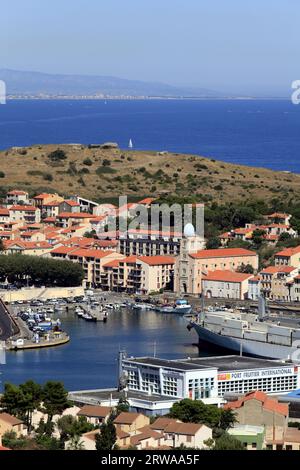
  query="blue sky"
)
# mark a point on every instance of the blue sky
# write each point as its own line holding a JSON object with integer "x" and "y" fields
{"x": 241, "y": 46}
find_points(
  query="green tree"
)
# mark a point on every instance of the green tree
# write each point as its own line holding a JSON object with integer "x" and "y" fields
{"x": 31, "y": 399}
{"x": 245, "y": 268}
{"x": 195, "y": 411}
{"x": 71, "y": 427}
{"x": 1, "y": 246}
{"x": 55, "y": 399}
{"x": 227, "y": 419}
{"x": 75, "y": 443}
{"x": 213, "y": 243}
{"x": 258, "y": 237}
{"x": 12, "y": 400}
{"x": 227, "y": 442}
{"x": 10, "y": 440}
{"x": 123, "y": 405}
{"x": 107, "y": 437}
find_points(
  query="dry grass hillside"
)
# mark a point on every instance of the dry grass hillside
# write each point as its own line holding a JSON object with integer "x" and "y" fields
{"x": 106, "y": 173}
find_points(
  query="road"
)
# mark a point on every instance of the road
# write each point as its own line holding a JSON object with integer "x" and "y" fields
{"x": 7, "y": 326}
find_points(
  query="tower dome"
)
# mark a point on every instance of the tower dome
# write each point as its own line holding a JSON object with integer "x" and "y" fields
{"x": 189, "y": 230}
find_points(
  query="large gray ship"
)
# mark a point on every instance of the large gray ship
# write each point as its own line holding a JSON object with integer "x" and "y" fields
{"x": 247, "y": 333}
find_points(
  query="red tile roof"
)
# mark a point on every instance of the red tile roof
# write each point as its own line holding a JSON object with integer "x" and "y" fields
{"x": 70, "y": 202}
{"x": 15, "y": 192}
{"x": 10, "y": 419}
{"x": 112, "y": 264}
{"x": 288, "y": 251}
{"x": 90, "y": 253}
{"x": 277, "y": 269}
{"x": 43, "y": 196}
{"x": 63, "y": 250}
{"x": 268, "y": 403}
{"x": 147, "y": 200}
{"x": 222, "y": 253}
{"x": 4, "y": 211}
{"x": 126, "y": 418}
{"x": 157, "y": 260}
{"x": 75, "y": 215}
{"x": 94, "y": 411}
{"x": 129, "y": 259}
{"x": 188, "y": 429}
{"x": 23, "y": 208}
{"x": 226, "y": 276}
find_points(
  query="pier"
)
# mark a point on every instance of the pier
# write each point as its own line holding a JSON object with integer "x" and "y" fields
{"x": 53, "y": 339}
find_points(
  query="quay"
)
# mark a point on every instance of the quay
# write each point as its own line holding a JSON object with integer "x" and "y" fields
{"x": 55, "y": 339}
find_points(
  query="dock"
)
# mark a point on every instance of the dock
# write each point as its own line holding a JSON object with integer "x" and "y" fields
{"x": 50, "y": 341}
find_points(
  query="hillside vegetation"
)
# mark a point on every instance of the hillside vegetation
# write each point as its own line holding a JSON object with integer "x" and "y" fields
{"x": 104, "y": 174}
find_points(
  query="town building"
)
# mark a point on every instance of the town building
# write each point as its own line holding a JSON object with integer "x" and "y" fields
{"x": 9, "y": 423}
{"x": 254, "y": 287}
{"x": 153, "y": 385}
{"x": 16, "y": 197}
{"x": 288, "y": 257}
{"x": 176, "y": 433}
{"x": 252, "y": 437}
{"x": 94, "y": 414}
{"x": 226, "y": 284}
{"x": 258, "y": 409}
{"x": 142, "y": 274}
{"x": 192, "y": 265}
{"x": 143, "y": 242}
{"x": 69, "y": 206}
{"x": 131, "y": 422}
{"x": 276, "y": 281}
{"x": 24, "y": 214}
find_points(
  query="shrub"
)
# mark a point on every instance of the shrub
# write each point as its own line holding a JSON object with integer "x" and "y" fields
{"x": 57, "y": 155}
{"x": 101, "y": 170}
{"x": 48, "y": 177}
{"x": 2, "y": 174}
{"x": 87, "y": 162}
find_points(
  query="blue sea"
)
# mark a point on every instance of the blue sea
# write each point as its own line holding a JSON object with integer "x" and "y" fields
{"x": 250, "y": 132}
{"x": 258, "y": 133}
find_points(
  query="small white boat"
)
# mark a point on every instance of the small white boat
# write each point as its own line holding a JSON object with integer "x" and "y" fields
{"x": 109, "y": 306}
{"x": 142, "y": 306}
{"x": 181, "y": 306}
{"x": 130, "y": 144}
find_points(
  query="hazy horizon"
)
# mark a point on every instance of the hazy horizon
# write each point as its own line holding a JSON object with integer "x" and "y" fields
{"x": 229, "y": 47}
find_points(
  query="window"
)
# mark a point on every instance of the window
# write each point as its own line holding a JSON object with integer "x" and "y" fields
{"x": 253, "y": 445}
{"x": 188, "y": 438}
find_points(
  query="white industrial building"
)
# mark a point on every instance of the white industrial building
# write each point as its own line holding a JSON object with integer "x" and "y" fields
{"x": 152, "y": 385}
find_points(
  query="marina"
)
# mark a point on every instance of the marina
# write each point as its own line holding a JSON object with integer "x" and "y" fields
{"x": 89, "y": 359}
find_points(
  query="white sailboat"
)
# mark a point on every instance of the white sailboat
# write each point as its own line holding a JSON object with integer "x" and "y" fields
{"x": 130, "y": 145}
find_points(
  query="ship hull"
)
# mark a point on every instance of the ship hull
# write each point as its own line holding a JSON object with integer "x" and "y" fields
{"x": 249, "y": 347}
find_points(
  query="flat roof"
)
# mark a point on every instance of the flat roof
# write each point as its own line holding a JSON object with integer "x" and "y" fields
{"x": 180, "y": 364}
{"x": 98, "y": 396}
{"x": 233, "y": 362}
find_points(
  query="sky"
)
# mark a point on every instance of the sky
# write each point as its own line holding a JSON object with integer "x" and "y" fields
{"x": 234, "y": 46}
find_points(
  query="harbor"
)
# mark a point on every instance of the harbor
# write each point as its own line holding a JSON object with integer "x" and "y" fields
{"x": 89, "y": 359}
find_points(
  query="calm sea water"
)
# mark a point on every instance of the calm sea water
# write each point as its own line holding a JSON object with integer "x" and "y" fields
{"x": 257, "y": 133}
{"x": 89, "y": 360}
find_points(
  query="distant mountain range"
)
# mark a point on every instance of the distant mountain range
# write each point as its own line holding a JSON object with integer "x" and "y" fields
{"x": 40, "y": 84}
